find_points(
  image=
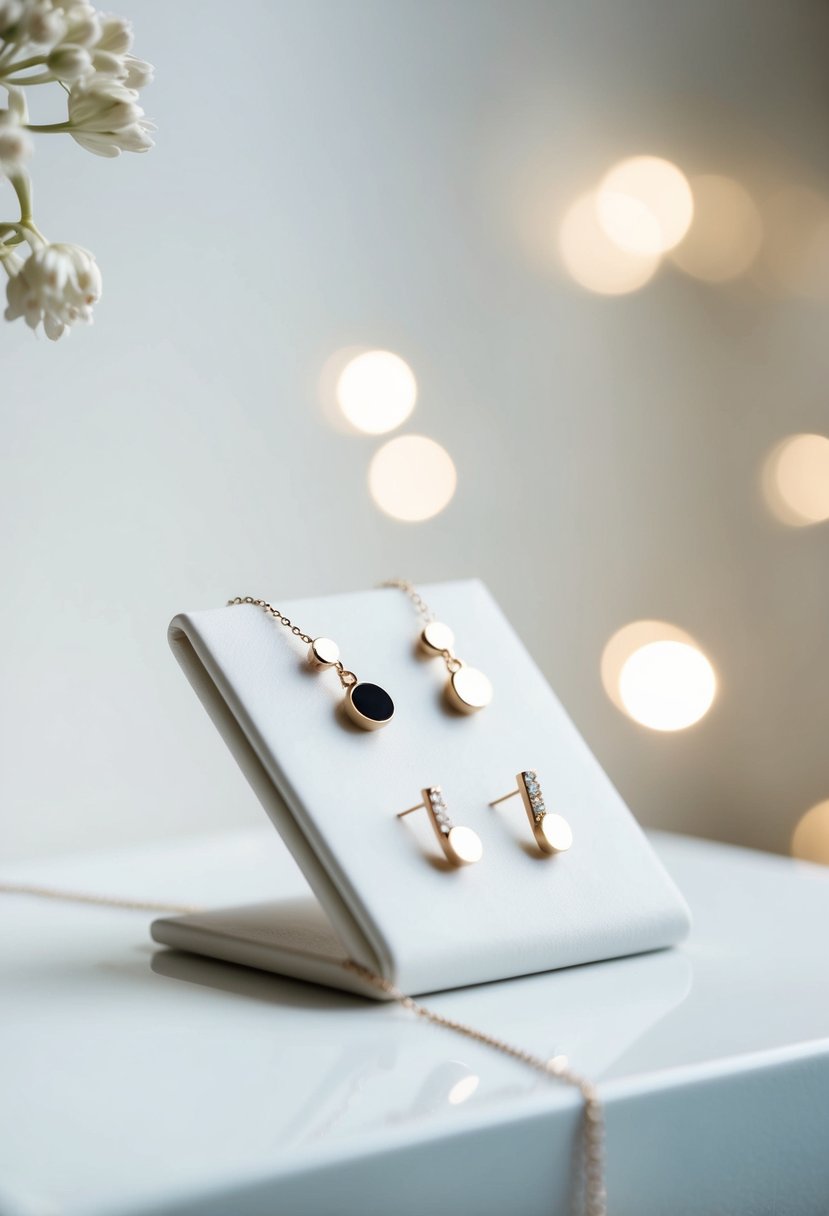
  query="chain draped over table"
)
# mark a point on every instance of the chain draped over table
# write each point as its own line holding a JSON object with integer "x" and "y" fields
{"x": 594, "y": 1196}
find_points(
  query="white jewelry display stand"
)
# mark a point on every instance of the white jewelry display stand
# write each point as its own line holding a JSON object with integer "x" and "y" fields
{"x": 387, "y": 899}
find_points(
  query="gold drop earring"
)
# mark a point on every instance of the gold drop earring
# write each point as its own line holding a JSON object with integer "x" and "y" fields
{"x": 467, "y": 689}
{"x": 367, "y": 705}
{"x": 552, "y": 833}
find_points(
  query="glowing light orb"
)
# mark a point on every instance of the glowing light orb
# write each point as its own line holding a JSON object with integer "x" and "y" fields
{"x": 645, "y": 205}
{"x": 593, "y": 260}
{"x": 726, "y": 234}
{"x": 376, "y": 391}
{"x": 412, "y": 478}
{"x": 628, "y": 639}
{"x": 796, "y": 480}
{"x": 667, "y": 685}
{"x": 810, "y": 840}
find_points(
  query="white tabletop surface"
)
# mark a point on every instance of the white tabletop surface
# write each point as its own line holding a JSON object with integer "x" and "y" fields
{"x": 128, "y": 1071}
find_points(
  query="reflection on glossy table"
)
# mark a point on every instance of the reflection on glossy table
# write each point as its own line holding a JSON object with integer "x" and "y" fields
{"x": 139, "y": 1080}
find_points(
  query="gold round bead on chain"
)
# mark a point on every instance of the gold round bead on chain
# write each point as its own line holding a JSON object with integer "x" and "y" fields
{"x": 467, "y": 689}
{"x": 367, "y": 705}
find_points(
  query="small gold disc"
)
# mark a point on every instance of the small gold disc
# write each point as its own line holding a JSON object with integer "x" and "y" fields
{"x": 557, "y": 833}
{"x": 323, "y": 653}
{"x": 436, "y": 637}
{"x": 464, "y": 846}
{"x": 468, "y": 690}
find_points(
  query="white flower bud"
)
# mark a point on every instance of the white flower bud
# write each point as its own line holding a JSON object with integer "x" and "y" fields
{"x": 42, "y": 24}
{"x": 69, "y": 62}
{"x": 108, "y": 64}
{"x": 105, "y": 118}
{"x": 116, "y": 35}
{"x": 102, "y": 105}
{"x": 139, "y": 72}
{"x": 11, "y": 263}
{"x": 10, "y": 13}
{"x": 83, "y": 28}
{"x": 57, "y": 285}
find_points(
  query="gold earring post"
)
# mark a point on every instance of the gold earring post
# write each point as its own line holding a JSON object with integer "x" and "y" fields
{"x": 504, "y": 797}
{"x": 418, "y": 807}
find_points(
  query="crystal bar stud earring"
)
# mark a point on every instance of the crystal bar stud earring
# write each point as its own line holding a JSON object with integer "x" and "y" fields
{"x": 552, "y": 833}
{"x": 461, "y": 846}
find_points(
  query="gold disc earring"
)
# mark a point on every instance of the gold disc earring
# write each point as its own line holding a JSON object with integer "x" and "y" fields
{"x": 367, "y": 705}
{"x": 467, "y": 689}
{"x": 552, "y": 833}
{"x": 461, "y": 846}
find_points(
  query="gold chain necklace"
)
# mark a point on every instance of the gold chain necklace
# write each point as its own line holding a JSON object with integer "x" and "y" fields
{"x": 467, "y": 690}
{"x": 594, "y": 1196}
{"x": 367, "y": 705}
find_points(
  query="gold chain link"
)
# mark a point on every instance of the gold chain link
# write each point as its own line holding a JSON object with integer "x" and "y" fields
{"x": 101, "y": 901}
{"x": 403, "y": 584}
{"x": 594, "y": 1197}
{"x": 453, "y": 663}
{"x": 347, "y": 678}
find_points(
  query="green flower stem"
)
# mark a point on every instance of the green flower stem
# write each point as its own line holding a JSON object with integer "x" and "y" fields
{"x": 22, "y": 185}
{"x": 44, "y": 78}
{"x": 6, "y": 249}
{"x": 16, "y": 237}
{"x": 33, "y": 62}
{"x": 25, "y": 228}
{"x": 49, "y": 128}
{"x": 21, "y": 232}
{"x": 32, "y": 227}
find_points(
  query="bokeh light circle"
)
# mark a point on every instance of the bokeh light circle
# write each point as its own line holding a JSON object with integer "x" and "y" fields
{"x": 645, "y": 205}
{"x": 810, "y": 840}
{"x": 726, "y": 234}
{"x": 626, "y": 641}
{"x": 667, "y": 685}
{"x": 796, "y": 480}
{"x": 376, "y": 391}
{"x": 593, "y": 260}
{"x": 412, "y": 478}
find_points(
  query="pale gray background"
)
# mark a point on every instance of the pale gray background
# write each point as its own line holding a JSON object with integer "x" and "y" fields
{"x": 381, "y": 173}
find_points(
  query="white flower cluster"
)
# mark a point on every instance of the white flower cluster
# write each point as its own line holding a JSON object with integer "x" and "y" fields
{"x": 89, "y": 54}
{"x": 57, "y": 284}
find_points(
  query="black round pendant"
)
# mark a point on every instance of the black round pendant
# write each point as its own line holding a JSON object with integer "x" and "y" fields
{"x": 369, "y": 706}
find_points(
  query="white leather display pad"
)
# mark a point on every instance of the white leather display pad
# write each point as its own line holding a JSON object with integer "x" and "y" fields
{"x": 332, "y": 791}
